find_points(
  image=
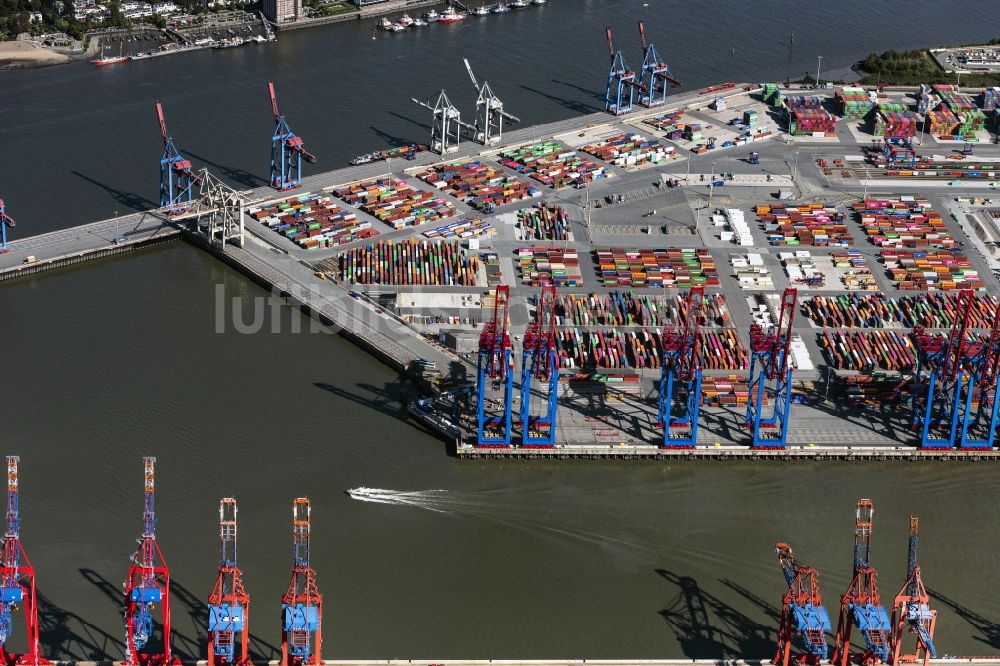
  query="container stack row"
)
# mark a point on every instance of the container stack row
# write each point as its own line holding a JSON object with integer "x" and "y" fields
{"x": 542, "y": 266}
{"x": 544, "y": 222}
{"x": 471, "y": 228}
{"x": 552, "y": 163}
{"x": 771, "y": 95}
{"x": 853, "y": 102}
{"x": 871, "y": 311}
{"x": 395, "y": 202}
{"x": 858, "y": 274}
{"x": 665, "y": 268}
{"x": 616, "y": 348}
{"x": 903, "y": 223}
{"x": 811, "y": 121}
{"x": 628, "y": 308}
{"x": 803, "y": 224}
{"x": 630, "y": 150}
{"x": 927, "y": 101}
{"x": 670, "y": 123}
{"x": 895, "y": 121}
{"x": 942, "y": 123}
{"x": 739, "y": 231}
{"x": 311, "y": 221}
{"x": 941, "y": 270}
{"x": 410, "y": 262}
{"x": 949, "y": 169}
{"x": 991, "y": 98}
{"x": 478, "y": 184}
{"x": 868, "y": 351}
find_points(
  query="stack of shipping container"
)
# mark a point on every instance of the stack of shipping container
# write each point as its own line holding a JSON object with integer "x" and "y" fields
{"x": 471, "y": 228}
{"x": 903, "y": 222}
{"x": 552, "y": 163}
{"x": 311, "y": 221}
{"x": 630, "y": 150}
{"x": 806, "y": 116}
{"x": 771, "y": 95}
{"x": 410, "y": 262}
{"x": 670, "y": 124}
{"x": 478, "y": 184}
{"x": 941, "y": 270}
{"x": 852, "y": 102}
{"x": 396, "y": 203}
{"x": 665, "y": 268}
{"x": 877, "y": 311}
{"x": 628, "y": 308}
{"x": 803, "y": 224}
{"x": 868, "y": 351}
{"x": 927, "y": 101}
{"x": 541, "y": 266}
{"x": 600, "y": 347}
{"x": 991, "y": 98}
{"x": 544, "y": 222}
{"x": 894, "y": 121}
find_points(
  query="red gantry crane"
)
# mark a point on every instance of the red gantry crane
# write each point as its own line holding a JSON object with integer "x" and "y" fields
{"x": 494, "y": 371}
{"x": 147, "y": 586}
{"x": 229, "y": 603}
{"x": 680, "y": 365}
{"x": 17, "y": 581}
{"x": 911, "y": 611}
{"x": 860, "y": 606}
{"x": 287, "y": 150}
{"x": 769, "y": 363}
{"x": 538, "y": 361}
{"x": 302, "y": 604}
{"x": 177, "y": 177}
{"x": 804, "y": 619}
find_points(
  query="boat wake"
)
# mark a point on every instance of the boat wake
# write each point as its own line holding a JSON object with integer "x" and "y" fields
{"x": 430, "y": 500}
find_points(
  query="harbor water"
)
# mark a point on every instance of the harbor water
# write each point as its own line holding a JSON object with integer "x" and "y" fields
{"x": 140, "y": 355}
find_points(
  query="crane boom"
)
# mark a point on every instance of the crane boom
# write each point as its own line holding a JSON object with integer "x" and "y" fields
{"x": 472, "y": 76}
{"x": 162, "y": 121}
{"x": 274, "y": 101}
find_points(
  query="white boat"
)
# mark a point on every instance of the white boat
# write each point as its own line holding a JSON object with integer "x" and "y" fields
{"x": 395, "y": 27}
{"x": 405, "y": 20}
{"x": 518, "y": 4}
{"x": 481, "y": 10}
{"x": 385, "y": 24}
{"x": 431, "y": 16}
{"x": 359, "y": 493}
{"x": 500, "y": 8}
{"x": 450, "y": 16}
{"x": 539, "y": 2}
{"x": 420, "y": 23}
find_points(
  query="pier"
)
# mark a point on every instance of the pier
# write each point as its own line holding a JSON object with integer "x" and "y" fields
{"x": 619, "y": 211}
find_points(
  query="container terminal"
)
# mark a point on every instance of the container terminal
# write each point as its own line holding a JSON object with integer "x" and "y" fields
{"x": 898, "y": 632}
{"x": 737, "y": 271}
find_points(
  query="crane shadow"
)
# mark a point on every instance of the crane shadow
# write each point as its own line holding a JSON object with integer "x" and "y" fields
{"x": 772, "y": 612}
{"x": 731, "y": 635}
{"x": 390, "y": 139}
{"x": 571, "y": 104}
{"x": 124, "y": 199}
{"x": 410, "y": 120}
{"x": 241, "y": 176}
{"x": 390, "y": 399}
{"x": 66, "y": 635}
{"x": 114, "y": 593}
{"x": 989, "y": 630}
{"x": 589, "y": 92}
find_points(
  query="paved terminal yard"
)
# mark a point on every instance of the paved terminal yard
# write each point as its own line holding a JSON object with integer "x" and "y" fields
{"x": 670, "y": 193}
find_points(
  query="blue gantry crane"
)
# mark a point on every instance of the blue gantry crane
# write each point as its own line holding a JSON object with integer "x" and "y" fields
{"x": 177, "y": 177}
{"x": 302, "y": 603}
{"x": 228, "y": 603}
{"x": 980, "y": 413}
{"x": 680, "y": 375}
{"x": 654, "y": 75}
{"x": 5, "y": 221}
{"x": 538, "y": 362}
{"x": 494, "y": 372}
{"x": 860, "y": 606}
{"x": 17, "y": 582}
{"x": 899, "y": 151}
{"x": 804, "y": 620}
{"x": 620, "y": 94}
{"x": 939, "y": 378}
{"x": 769, "y": 364}
{"x": 911, "y": 610}
{"x": 287, "y": 151}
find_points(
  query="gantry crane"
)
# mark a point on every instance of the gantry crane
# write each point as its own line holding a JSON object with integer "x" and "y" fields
{"x": 804, "y": 619}
{"x": 620, "y": 94}
{"x": 936, "y": 398}
{"x": 860, "y": 606}
{"x": 538, "y": 361}
{"x": 446, "y": 129}
{"x": 177, "y": 177}
{"x": 147, "y": 586}
{"x": 5, "y": 221}
{"x": 286, "y": 150}
{"x": 302, "y": 604}
{"x": 911, "y": 612}
{"x": 899, "y": 151}
{"x": 979, "y": 420}
{"x": 654, "y": 76}
{"x": 489, "y": 112}
{"x": 494, "y": 371}
{"x": 17, "y": 581}
{"x": 681, "y": 367}
{"x": 769, "y": 362}
{"x": 229, "y": 603}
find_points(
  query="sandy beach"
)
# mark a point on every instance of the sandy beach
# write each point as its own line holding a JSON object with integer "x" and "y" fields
{"x": 15, "y": 55}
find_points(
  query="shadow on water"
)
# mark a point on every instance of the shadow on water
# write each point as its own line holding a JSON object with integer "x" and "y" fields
{"x": 589, "y": 92}
{"x": 772, "y": 611}
{"x": 410, "y": 120}
{"x": 691, "y": 614}
{"x": 124, "y": 199}
{"x": 241, "y": 176}
{"x": 66, "y": 635}
{"x": 391, "y": 140}
{"x": 573, "y": 105}
{"x": 390, "y": 399}
{"x": 114, "y": 593}
{"x": 990, "y": 630}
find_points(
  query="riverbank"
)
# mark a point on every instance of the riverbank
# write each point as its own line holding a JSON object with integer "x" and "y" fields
{"x": 27, "y": 55}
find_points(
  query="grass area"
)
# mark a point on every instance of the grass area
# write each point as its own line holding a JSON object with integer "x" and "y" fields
{"x": 318, "y": 8}
{"x": 911, "y": 68}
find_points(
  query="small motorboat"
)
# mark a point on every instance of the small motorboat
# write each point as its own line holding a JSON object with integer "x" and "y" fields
{"x": 518, "y": 4}
{"x": 420, "y": 23}
{"x": 481, "y": 10}
{"x": 385, "y": 24}
{"x": 450, "y": 16}
{"x": 431, "y": 16}
{"x": 500, "y": 8}
{"x": 396, "y": 27}
{"x": 405, "y": 20}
